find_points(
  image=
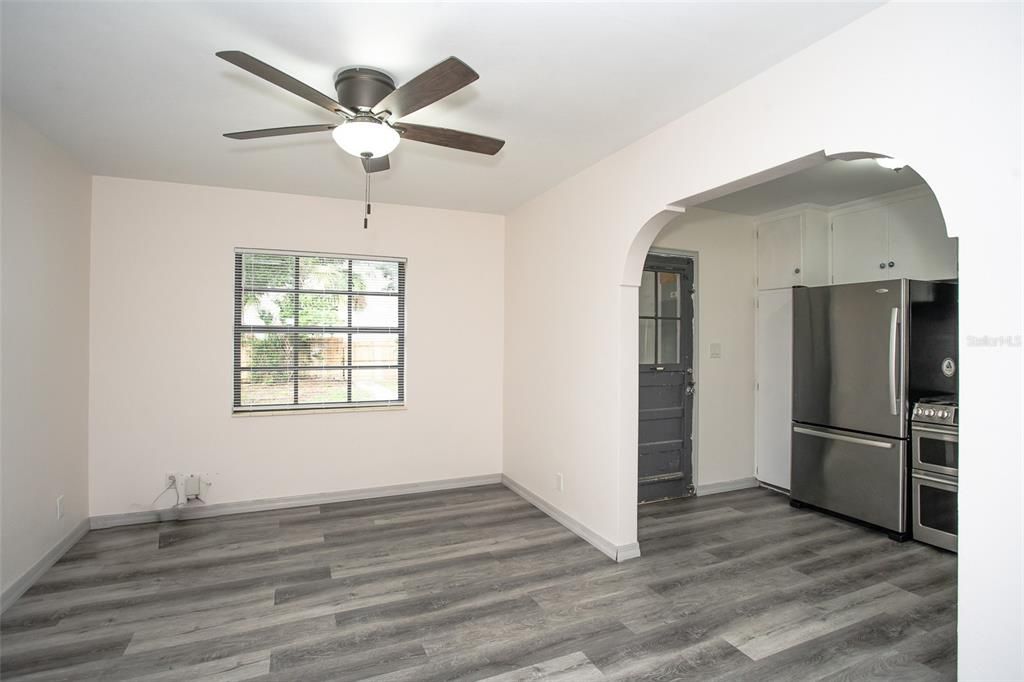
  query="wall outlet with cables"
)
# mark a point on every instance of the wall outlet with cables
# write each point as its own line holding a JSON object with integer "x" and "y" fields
{"x": 188, "y": 488}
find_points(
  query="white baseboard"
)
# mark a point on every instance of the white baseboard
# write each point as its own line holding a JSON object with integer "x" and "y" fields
{"x": 773, "y": 487}
{"x": 613, "y": 551}
{"x": 726, "y": 486}
{"x": 29, "y": 577}
{"x": 224, "y": 508}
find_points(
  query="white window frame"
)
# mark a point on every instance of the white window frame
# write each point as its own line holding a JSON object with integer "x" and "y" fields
{"x": 239, "y": 329}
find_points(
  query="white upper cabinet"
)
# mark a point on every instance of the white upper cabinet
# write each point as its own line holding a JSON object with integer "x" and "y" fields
{"x": 860, "y": 246}
{"x": 792, "y": 249}
{"x": 904, "y": 236}
{"x": 918, "y": 245}
{"x": 779, "y": 252}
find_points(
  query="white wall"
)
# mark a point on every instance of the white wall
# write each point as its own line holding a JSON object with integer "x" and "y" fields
{"x": 726, "y": 265}
{"x": 161, "y": 388}
{"x": 45, "y": 302}
{"x": 936, "y": 84}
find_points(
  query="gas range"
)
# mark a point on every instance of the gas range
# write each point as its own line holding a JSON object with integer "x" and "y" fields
{"x": 934, "y": 470}
{"x": 942, "y": 410}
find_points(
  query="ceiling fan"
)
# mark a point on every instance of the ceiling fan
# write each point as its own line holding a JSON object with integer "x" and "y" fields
{"x": 371, "y": 107}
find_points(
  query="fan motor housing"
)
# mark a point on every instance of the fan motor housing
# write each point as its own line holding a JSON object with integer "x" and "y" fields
{"x": 362, "y": 88}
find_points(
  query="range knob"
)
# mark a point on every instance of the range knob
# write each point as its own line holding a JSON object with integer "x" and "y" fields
{"x": 929, "y": 412}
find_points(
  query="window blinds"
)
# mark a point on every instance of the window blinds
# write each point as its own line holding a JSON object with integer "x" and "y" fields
{"x": 317, "y": 330}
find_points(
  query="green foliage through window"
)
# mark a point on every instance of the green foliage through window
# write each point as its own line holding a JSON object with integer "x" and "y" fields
{"x": 314, "y": 330}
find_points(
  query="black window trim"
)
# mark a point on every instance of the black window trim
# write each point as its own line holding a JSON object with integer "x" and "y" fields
{"x": 239, "y": 329}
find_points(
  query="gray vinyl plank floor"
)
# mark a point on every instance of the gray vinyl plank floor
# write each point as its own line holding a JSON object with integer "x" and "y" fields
{"x": 476, "y": 584}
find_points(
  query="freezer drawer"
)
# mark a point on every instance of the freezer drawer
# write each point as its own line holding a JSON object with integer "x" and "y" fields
{"x": 860, "y": 476}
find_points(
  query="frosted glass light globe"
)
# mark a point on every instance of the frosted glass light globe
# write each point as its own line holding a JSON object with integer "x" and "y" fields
{"x": 366, "y": 138}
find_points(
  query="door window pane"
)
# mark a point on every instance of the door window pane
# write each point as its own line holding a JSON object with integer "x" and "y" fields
{"x": 668, "y": 294}
{"x": 646, "y": 342}
{"x": 668, "y": 341}
{"x": 647, "y": 292}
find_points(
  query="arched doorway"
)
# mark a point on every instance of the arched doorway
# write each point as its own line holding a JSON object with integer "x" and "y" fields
{"x": 676, "y": 215}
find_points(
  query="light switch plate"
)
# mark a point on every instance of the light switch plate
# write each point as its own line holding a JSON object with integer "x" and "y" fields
{"x": 716, "y": 350}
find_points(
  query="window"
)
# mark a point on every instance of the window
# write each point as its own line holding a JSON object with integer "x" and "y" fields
{"x": 317, "y": 331}
{"x": 663, "y": 286}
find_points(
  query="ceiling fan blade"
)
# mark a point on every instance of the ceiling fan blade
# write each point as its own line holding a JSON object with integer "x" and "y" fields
{"x": 376, "y": 165}
{"x": 283, "y": 80}
{"x": 274, "y": 132}
{"x": 433, "y": 84}
{"x": 445, "y": 137}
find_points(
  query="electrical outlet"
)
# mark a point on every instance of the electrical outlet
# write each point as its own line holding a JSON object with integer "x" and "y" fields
{"x": 60, "y": 507}
{"x": 559, "y": 482}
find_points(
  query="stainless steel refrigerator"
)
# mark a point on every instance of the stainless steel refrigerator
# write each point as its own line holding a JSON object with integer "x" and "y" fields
{"x": 862, "y": 354}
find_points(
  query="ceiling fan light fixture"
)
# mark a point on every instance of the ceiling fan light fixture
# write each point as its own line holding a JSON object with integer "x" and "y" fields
{"x": 366, "y": 137}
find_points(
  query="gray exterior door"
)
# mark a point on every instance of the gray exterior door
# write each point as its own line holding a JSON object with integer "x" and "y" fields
{"x": 666, "y": 379}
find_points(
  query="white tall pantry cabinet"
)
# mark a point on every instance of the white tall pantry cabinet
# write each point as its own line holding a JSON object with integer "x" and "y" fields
{"x": 792, "y": 250}
{"x": 774, "y": 367}
{"x": 888, "y": 237}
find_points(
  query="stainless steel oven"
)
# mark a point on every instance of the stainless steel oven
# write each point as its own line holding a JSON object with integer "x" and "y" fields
{"x": 935, "y": 449}
{"x": 934, "y": 512}
{"x": 935, "y": 463}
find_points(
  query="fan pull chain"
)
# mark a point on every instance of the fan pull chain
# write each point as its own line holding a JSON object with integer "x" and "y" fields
{"x": 366, "y": 204}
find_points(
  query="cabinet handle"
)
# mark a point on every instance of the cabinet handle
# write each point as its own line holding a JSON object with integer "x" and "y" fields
{"x": 796, "y": 270}
{"x": 892, "y": 264}
{"x": 882, "y": 266}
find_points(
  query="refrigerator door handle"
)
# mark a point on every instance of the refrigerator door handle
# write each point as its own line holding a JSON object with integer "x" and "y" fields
{"x": 846, "y": 439}
{"x": 894, "y": 320}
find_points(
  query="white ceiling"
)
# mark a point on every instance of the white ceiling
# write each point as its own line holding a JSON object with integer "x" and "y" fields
{"x": 828, "y": 184}
{"x": 133, "y": 89}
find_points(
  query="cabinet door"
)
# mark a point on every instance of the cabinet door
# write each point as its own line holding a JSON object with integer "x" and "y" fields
{"x": 774, "y": 386}
{"x": 779, "y": 252}
{"x": 860, "y": 246}
{"x": 918, "y": 245}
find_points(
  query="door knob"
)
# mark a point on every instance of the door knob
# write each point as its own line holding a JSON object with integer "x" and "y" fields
{"x": 892, "y": 264}
{"x": 882, "y": 266}
{"x": 796, "y": 270}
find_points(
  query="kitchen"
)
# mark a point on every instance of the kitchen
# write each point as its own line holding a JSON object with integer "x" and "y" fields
{"x": 873, "y": 332}
{"x": 854, "y": 344}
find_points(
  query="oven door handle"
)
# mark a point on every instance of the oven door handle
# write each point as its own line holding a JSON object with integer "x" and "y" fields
{"x": 932, "y": 479}
{"x": 951, "y": 431}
